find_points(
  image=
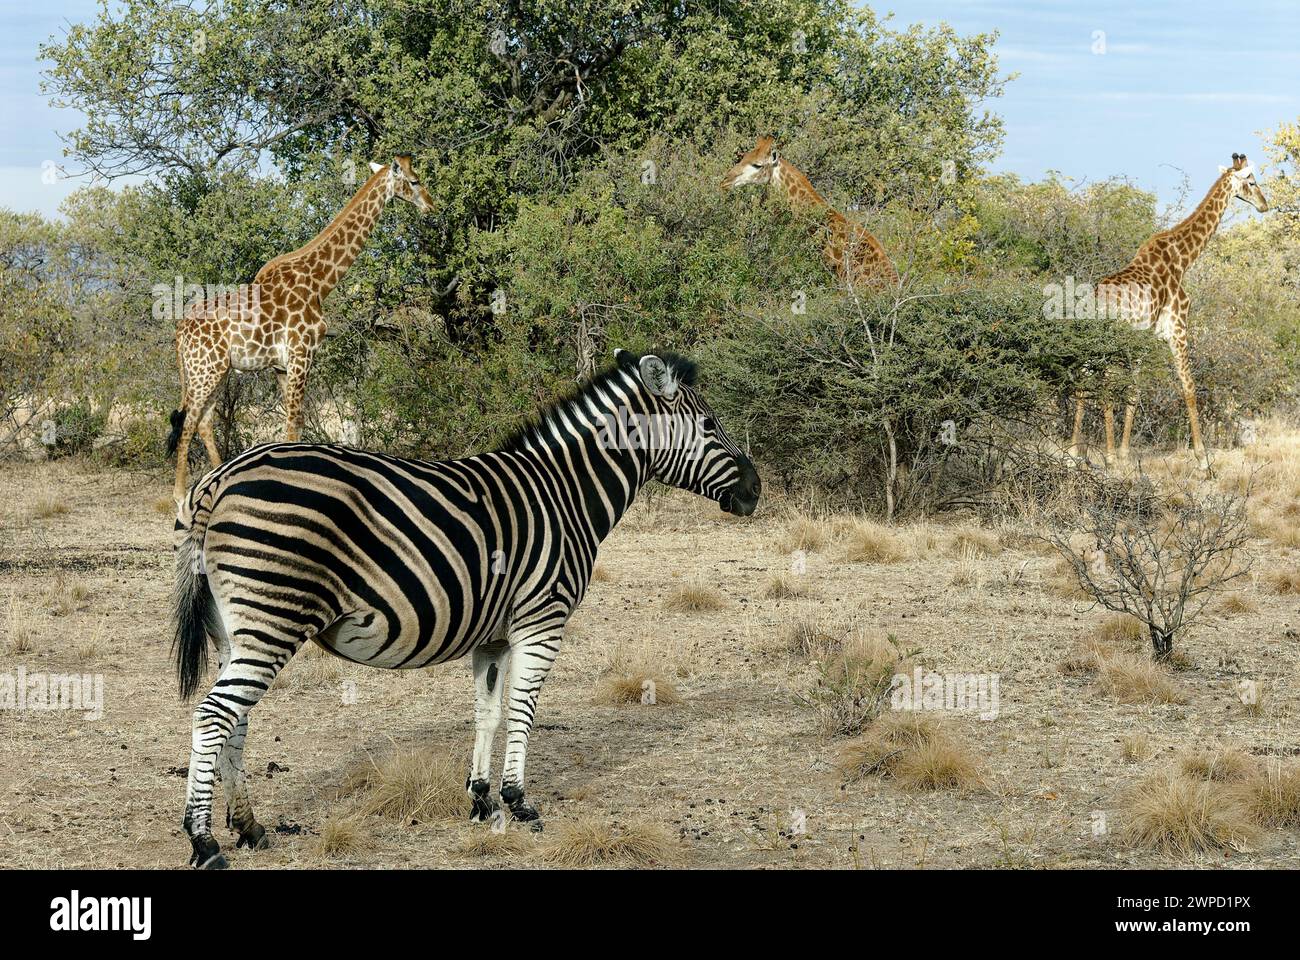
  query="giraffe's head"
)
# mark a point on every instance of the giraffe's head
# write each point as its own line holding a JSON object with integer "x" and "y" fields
{"x": 404, "y": 184}
{"x": 757, "y": 166}
{"x": 1244, "y": 187}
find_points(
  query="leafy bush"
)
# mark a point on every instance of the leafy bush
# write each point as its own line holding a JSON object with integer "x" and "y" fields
{"x": 76, "y": 428}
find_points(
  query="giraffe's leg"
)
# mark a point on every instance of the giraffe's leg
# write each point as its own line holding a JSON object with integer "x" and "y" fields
{"x": 1076, "y": 438}
{"x": 257, "y": 653}
{"x": 205, "y": 431}
{"x": 491, "y": 669}
{"x": 532, "y": 652}
{"x": 295, "y": 389}
{"x": 1178, "y": 344}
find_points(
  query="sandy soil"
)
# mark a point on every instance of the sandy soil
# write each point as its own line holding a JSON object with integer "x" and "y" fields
{"x": 85, "y": 575}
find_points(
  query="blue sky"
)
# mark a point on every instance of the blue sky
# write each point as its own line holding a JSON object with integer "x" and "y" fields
{"x": 1182, "y": 84}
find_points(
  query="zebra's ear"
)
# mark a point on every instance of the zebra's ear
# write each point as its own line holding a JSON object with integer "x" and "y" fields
{"x": 658, "y": 379}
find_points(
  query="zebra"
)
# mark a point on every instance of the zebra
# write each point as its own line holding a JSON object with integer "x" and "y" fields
{"x": 400, "y": 564}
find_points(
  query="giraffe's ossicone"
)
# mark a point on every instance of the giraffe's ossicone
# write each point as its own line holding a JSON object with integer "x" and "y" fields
{"x": 276, "y": 322}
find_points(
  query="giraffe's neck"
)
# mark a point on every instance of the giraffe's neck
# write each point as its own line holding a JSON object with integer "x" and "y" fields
{"x": 1193, "y": 233}
{"x": 336, "y": 247}
{"x": 798, "y": 189}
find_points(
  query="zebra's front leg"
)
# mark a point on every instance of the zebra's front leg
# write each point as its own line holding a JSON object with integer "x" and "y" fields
{"x": 491, "y": 666}
{"x": 531, "y": 658}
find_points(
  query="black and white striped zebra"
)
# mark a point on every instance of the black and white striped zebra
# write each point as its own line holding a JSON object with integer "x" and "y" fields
{"x": 403, "y": 563}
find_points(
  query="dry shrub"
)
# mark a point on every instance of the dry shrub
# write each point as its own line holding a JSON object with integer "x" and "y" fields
{"x": 65, "y": 595}
{"x": 1237, "y": 602}
{"x": 809, "y": 637}
{"x": 1134, "y": 678}
{"x": 511, "y": 842}
{"x": 913, "y": 748}
{"x": 1134, "y": 747}
{"x": 631, "y": 677}
{"x": 1088, "y": 657}
{"x": 590, "y": 842}
{"x": 20, "y": 629}
{"x": 695, "y": 597}
{"x": 409, "y": 784}
{"x": 1123, "y": 630}
{"x": 342, "y": 835}
{"x": 975, "y": 542}
{"x": 1062, "y": 581}
{"x": 867, "y": 541}
{"x": 1223, "y": 764}
{"x": 855, "y": 674}
{"x": 48, "y": 507}
{"x": 1182, "y": 816}
{"x": 804, "y": 533}
{"x": 786, "y": 586}
{"x": 1285, "y": 581}
{"x": 1273, "y": 794}
{"x": 165, "y": 506}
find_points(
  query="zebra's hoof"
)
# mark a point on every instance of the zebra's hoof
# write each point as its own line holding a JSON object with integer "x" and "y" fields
{"x": 482, "y": 807}
{"x": 254, "y": 838}
{"x": 206, "y": 854}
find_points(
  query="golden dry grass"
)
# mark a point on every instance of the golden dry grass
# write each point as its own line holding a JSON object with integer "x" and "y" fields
{"x": 164, "y": 506}
{"x": 409, "y": 784}
{"x": 1284, "y": 581}
{"x": 867, "y": 541}
{"x": 342, "y": 835}
{"x": 855, "y": 672}
{"x": 1182, "y": 816}
{"x": 592, "y": 842}
{"x": 975, "y": 541}
{"x": 600, "y": 573}
{"x": 47, "y": 508}
{"x": 786, "y": 586}
{"x": 694, "y": 597}
{"x": 484, "y": 842}
{"x": 1122, "y": 630}
{"x": 312, "y": 669}
{"x": 913, "y": 748}
{"x": 1273, "y": 794}
{"x": 804, "y": 533}
{"x": 1062, "y": 581}
{"x": 632, "y": 677}
{"x": 20, "y": 629}
{"x": 1224, "y": 764}
{"x": 1237, "y": 603}
{"x": 1133, "y": 678}
{"x": 65, "y": 595}
{"x": 1135, "y": 747}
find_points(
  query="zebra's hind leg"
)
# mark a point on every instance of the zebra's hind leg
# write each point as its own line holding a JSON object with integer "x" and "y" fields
{"x": 531, "y": 656}
{"x": 256, "y": 656}
{"x": 239, "y": 809}
{"x": 491, "y": 667}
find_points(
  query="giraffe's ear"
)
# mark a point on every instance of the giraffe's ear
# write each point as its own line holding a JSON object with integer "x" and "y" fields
{"x": 658, "y": 379}
{"x": 375, "y": 167}
{"x": 774, "y": 157}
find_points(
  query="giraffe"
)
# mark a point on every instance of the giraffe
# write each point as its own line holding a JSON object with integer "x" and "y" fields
{"x": 277, "y": 323}
{"x": 1149, "y": 293}
{"x": 850, "y": 249}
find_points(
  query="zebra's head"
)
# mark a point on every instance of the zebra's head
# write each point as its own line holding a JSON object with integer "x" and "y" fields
{"x": 687, "y": 446}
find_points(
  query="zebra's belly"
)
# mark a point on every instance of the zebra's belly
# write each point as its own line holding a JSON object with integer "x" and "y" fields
{"x": 363, "y": 637}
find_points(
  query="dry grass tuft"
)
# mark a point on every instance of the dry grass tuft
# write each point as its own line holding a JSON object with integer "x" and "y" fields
{"x": 867, "y": 541}
{"x": 1183, "y": 817}
{"x": 855, "y": 674}
{"x": 312, "y": 669}
{"x": 409, "y": 784}
{"x": 1123, "y": 630}
{"x": 65, "y": 595}
{"x": 590, "y": 842}
{"x": 786, "y": 586}
{"x": 913, "y": 748}
{"x": 695, "y": 598}
{"x": 600, "y": 574}
{"x": 1062, "y": 581}
{"x": 1134, "y": 747}
{"x": 1273, "y": 795}
{"x": 1131, "y": 678}
{"x": 1237, "y": 602}
{"x": 1286, "y": 581}
{"x": 976, "y": 542}
{"x": 511, "y": 842}
{"x": 342, "y": 836}
{"x": 47, "y": 508}
{"x": 804, "y": 533}
{"x": 20, "y": 629}
{"x": 165, "y": 506}
{"x": 635, "y": 678}
{"x": 1225, "y": 765}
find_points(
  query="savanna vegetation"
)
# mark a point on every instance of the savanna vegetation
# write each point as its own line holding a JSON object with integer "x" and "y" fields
{"x": 574, "y": 153}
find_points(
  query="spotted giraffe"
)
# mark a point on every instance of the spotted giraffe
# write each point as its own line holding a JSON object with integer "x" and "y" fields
{"x": 277, "y": 322}
{"x": 850, "y": 250}
{"x": 1149, "y": 293}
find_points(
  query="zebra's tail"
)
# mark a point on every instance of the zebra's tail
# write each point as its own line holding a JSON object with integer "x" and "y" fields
{"x": 194, "y": 611}
{"x": 178, "y": 424}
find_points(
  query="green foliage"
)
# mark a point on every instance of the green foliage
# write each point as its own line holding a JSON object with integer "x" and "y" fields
{"x": 76, "y": 428}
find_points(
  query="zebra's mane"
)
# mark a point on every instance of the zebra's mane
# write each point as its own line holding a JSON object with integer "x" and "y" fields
{"x": 681, "y": 367}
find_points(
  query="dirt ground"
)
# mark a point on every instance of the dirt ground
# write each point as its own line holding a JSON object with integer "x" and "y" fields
{"x": 85, "y": 576}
